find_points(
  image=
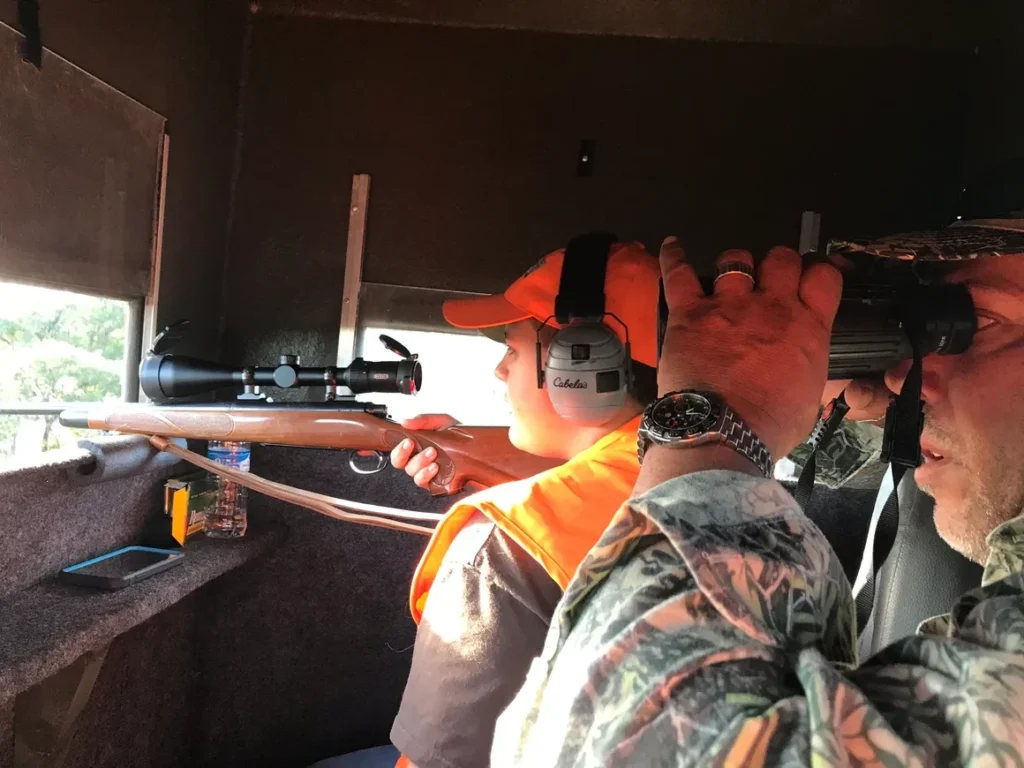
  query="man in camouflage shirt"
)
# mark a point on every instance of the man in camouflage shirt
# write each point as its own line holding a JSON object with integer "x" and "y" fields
{"x": 713, "y": 625}
{"x": 855, "y": 446}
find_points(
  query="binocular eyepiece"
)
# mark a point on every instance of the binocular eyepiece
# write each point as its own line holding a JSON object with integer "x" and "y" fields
{"x": 164, "y": 376}
{"x": 878, "y": 325}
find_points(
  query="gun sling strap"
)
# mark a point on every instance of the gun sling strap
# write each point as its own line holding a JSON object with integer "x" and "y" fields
{"x": 338, "y": 509}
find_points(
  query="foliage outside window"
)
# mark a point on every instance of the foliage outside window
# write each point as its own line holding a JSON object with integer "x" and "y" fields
{"x": 55, "y": 347}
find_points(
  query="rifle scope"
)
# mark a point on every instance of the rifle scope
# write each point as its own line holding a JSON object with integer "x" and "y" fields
{"x": 166, "y": 376}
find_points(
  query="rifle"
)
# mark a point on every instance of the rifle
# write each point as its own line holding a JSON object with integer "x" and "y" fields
{"x": 481, "y": 456}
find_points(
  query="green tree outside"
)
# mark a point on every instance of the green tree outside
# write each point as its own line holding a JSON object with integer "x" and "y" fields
{"x": 69, "y": 353}
{"x": 96, "y": 328}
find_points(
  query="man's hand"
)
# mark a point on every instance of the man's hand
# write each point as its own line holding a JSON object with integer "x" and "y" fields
{"x": 763, "y": 349}
{"x": 867, "y": 399}
{"x": 421, "y": 466}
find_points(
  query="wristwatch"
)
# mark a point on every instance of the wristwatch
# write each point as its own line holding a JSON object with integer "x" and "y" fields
{"x": 689, "y": 418}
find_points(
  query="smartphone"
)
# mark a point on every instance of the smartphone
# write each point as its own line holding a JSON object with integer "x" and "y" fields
{"x": 119, "y": 569}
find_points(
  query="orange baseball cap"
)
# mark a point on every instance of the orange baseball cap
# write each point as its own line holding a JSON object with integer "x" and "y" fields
{"x": 631, "y": 294}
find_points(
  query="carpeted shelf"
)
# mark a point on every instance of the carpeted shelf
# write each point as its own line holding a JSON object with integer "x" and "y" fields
{"x": 47, "y": 626}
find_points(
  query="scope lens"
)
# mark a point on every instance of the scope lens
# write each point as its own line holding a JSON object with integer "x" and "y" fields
{"x": 417, "y": 377}
{"x": 404, "y": 377}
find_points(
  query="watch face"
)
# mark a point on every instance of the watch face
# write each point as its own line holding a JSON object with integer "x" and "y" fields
{"x": 684, "y": 415}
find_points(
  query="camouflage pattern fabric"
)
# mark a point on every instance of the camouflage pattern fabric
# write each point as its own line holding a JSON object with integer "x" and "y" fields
{"x": 975, "y": 239}
{"x": 854, "y": 446}
{"x": 1005, "y": 551}
{"x": 1005, "y": 564}
{"x": 712, "y": 625}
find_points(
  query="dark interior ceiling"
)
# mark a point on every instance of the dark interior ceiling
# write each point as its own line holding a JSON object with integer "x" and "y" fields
{"x": 934, "y": 25}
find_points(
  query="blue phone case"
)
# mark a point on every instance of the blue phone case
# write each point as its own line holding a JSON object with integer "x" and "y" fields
{"x": 73, "y": 575}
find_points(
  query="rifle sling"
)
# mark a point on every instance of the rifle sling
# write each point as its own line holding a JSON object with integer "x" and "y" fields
{"x": 318, "y": 502}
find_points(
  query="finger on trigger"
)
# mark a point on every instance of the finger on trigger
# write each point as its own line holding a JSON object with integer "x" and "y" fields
{"x": 682, "y": 286}
{"x": 425, "y": 475}
{"x": 780, "y": 271}
{"x": 821, "y": 288}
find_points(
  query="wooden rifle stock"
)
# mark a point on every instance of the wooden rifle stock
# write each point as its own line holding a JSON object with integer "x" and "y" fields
{"x": 482, "y": 456}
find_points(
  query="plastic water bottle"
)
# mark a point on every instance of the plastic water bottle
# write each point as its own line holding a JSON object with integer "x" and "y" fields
{"x": 228, "y": 519}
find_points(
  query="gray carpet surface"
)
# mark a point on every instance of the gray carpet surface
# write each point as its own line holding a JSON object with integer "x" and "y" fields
{"x": 6, "y": 732}
{"x": 49, "y": 522}
{"x": 142, "y": 713}
{"x": 326, "y": 471}
{"x": 49, "y": 625}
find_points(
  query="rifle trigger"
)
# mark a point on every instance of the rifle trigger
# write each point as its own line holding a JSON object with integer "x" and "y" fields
{"x": 367, "y": 462}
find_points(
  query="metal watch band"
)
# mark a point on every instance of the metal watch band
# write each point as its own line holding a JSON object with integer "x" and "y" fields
{"x": 643, "y": 442}
{"x": 733, "y": 431}
{"x": 739, "y": 436}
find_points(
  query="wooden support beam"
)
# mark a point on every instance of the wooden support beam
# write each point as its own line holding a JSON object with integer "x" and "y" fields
{"x": 353, "y": 268}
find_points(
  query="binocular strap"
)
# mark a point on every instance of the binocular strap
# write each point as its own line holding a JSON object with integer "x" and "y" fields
{"x": 901, "y": 450}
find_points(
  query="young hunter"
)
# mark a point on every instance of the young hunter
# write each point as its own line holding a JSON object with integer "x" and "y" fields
{"x": 487, "y": 585}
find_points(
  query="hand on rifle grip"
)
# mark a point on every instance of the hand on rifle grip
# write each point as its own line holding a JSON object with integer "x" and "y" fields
{"x": 421, "y": 466}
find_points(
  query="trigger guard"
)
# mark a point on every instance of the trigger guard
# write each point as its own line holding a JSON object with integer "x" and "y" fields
{"x": 382, "y": 462}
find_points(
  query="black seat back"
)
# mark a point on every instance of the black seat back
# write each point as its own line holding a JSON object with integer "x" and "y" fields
{"x": 922, "y": 577}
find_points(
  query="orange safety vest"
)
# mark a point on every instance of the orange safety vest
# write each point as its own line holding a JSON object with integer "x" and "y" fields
{"x": 556, "y": 516}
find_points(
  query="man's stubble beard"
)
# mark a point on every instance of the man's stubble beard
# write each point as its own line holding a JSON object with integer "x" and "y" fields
{"x": 994, "y": 493}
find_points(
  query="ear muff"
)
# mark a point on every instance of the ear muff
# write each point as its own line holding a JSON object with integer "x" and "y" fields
{"x": 587, "y": 375}
{"x": 587, "y": 372}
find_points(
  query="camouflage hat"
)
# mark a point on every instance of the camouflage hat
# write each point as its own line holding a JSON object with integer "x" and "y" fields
{"x": 963, "y": 240}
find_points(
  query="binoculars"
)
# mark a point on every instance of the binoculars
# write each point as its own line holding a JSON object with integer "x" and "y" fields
{"x": 886, "y": 311}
